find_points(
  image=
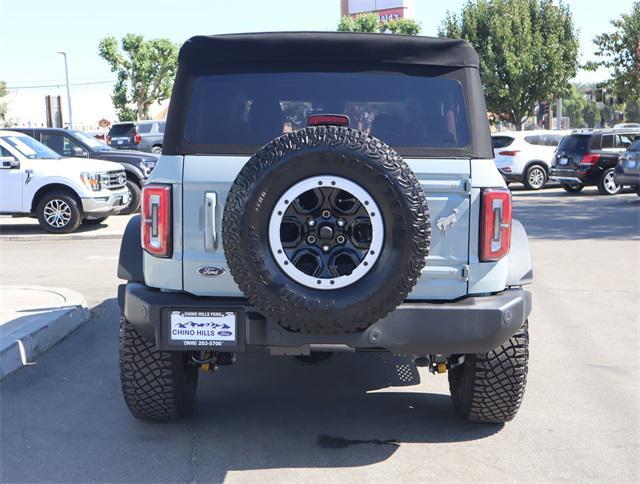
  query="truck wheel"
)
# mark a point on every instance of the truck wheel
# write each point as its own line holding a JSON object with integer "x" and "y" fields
{"x": 607, "y": 184}
{"x": 157, "y": 385}
{"x": 572, "y": 188}
{"x": 58, "y": 213}
{"x": 134, "y": 200}
{"x": 326, "y": 230}
{"x": 488, "y": 387}
{"x": 535, "y": 177}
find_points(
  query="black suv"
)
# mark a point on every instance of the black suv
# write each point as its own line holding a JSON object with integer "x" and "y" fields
{"x": 590, "y": 157}
{"x": 142, "y": 135}
{"x": 71, "y": 143}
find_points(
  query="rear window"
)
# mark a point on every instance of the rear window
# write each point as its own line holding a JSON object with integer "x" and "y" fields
{"x": 501, "y": 141}
{"x": 253, "y": 108}
{"x": 121, "y": 129}
{"x": 575, "y": 142}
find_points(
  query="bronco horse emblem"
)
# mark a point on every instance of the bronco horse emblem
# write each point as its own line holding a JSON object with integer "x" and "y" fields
{"x": 443, "y": 223}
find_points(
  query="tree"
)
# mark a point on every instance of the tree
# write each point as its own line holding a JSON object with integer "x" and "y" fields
{"x": 528, "y": 51}
{"x": 3, "y": 105}
{"x": 145, "y": 71}
{"x": 582, "y": 112}
{"x": 370, "y": 22}
{"x": 620, "y": 53}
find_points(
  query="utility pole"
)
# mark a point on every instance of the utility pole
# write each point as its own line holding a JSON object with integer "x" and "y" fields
{"x": 66, "y": 74}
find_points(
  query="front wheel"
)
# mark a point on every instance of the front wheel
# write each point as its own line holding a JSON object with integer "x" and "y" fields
{"x": 134, "y": 198}
{"x": 535, "y": 178}
{"x": 58, "y": 213}
{"x": 488, "y": 387}
{"x": 157, "y": 385}
{"x": 607, "y": 185}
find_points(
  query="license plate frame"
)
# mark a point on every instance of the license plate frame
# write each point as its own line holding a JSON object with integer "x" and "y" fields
{"x": 200, "y": 317}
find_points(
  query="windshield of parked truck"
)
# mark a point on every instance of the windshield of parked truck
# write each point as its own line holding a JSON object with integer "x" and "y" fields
{"x": 92, "y": 142}
{"x": 30, "y": 148}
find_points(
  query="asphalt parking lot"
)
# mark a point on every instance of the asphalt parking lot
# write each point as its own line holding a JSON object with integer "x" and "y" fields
{"x": 350, "y": 418}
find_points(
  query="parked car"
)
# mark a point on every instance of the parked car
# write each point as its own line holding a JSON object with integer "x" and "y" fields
{"x": 61, "y": 192}
{"x": 627, "y": 126}
{"x": 142, "y": 135}
{"x": 67, "y": 142}
{"x": 589, "y": 158}
{"x": 314, "y": 235}
{"x": 525, "y": 156}
{"x": 627, "y": 170}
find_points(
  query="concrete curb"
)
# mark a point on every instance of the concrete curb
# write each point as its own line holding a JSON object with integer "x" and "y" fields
{"x": 52, "y": 237}
{"x": 21, "y": 343}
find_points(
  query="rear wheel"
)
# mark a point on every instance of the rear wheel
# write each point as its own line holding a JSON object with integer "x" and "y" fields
{"x": 58, "y": 213}
{"x": 535, "y": 177}
{"x": 488, "y": 387}
{"x": 572, "y": 188}
{"x": 134, "y": 197}
{"x": 157, "y": 385}
{"x": 607, "y": 185}
{"x": 156, "y": 150}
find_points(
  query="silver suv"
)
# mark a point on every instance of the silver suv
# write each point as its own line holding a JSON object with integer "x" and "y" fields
{"x": 324, "y": 192}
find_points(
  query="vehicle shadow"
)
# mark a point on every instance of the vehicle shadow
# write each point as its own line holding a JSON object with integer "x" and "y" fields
{"x": 33, "y": 228}
{"x": 557, "y": 215}
{"x": 64, "y": 419}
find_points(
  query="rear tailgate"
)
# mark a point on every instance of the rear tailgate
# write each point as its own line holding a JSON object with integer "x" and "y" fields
{"x": 206, "y": 183}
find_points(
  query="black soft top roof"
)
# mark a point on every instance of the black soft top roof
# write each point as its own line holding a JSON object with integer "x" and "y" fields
{"x": 328, "y": 47}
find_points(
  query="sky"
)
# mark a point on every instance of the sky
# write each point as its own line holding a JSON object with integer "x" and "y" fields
{"x": 34, "y": 30}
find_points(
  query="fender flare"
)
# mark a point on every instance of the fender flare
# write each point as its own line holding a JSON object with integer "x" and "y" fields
{"x": 520, "y": 269}
{"x": 528, "y": 164}
{"x": 130, "y": 259}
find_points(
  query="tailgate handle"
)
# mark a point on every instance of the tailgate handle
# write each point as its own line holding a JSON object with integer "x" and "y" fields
{"x": 210, "y": 234}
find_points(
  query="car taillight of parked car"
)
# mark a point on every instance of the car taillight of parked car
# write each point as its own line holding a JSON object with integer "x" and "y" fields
{"x": 156, "y": 220}
{"x": 495, "y": 224}
{"x": 589, "y": 159}
{"x": 509, "y": 152}
{"x": 137, "y": 138}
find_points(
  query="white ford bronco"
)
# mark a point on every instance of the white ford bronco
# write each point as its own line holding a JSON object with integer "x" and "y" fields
{"x": 325, "y": 192}
{"x": 61, "y": 192}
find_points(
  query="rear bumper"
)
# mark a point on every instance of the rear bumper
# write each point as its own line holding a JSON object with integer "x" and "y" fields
{"x": 589, "y": 176}
{"x": 471, "y": 325}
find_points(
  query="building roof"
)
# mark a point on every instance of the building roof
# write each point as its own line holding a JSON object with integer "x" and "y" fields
{"x": 328, "y": 47}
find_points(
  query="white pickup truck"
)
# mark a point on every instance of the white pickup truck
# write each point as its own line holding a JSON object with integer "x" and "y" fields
{"x": 61, "y": 192}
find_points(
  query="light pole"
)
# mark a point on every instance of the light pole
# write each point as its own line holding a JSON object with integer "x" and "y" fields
{"x": 66, "y": 74}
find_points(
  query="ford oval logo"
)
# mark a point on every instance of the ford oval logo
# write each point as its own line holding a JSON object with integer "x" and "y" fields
{"x": 210, "y": 271}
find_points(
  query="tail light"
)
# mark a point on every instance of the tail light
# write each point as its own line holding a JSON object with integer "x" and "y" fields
{"x": 137, "y": 138}
{"x": 495, "y": 224}
{"x": 156, "y": 220}
{"x": 108, "y": 139}
{"x": 509, "y": 153}
{"x": 590, "y": 159}
{"x": 328, "y": 120}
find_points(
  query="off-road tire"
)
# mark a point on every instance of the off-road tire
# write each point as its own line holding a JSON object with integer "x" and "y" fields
{"x": 135, "y": 192}
{"x": 489, "y": 387}
{"x": 602, "y": 188}
{"x": 75, "y": 213}
{"x": 572, "y": 188}
{"x": 332, "y": 151}
{"x": 157, "y": 385}
{"x": 529, "y": 175}
{"x": 94, "y": 221}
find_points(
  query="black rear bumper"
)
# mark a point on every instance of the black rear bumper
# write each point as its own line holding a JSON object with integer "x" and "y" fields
{"x": 470, "y": 325}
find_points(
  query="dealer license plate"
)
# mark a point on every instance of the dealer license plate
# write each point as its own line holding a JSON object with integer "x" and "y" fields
{"x": 203, "y": 328}
{"x": 564, "y": 161}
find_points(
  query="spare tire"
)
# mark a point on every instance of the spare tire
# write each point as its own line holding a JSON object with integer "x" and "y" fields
{"x": 326, "y": 230}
